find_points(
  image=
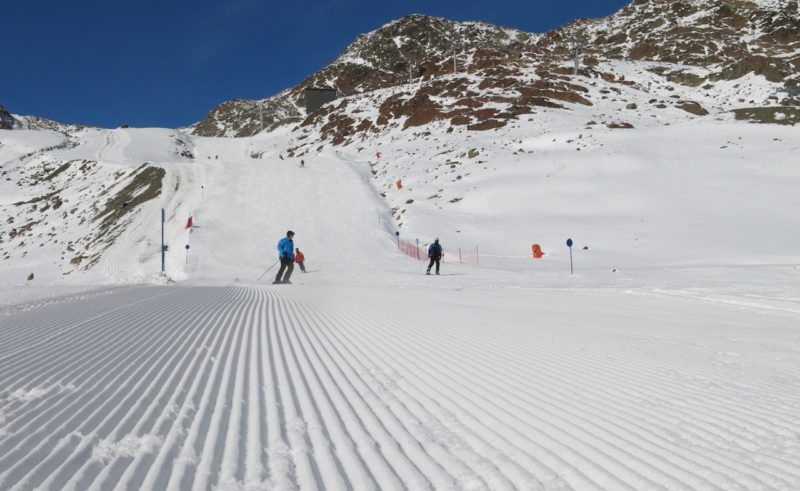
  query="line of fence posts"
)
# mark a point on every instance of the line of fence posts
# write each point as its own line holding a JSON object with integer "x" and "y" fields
{"x": 413, "y": 250}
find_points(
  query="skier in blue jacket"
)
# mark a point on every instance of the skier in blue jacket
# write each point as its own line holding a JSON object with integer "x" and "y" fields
{"x": 435, "y": 253}
{"x": 286, "y": 255}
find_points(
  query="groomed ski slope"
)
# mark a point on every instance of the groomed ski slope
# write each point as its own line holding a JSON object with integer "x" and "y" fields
{"x": 367, "y": 374}
{"x": 247, "y": 205}
{"x": 248, "y": 387}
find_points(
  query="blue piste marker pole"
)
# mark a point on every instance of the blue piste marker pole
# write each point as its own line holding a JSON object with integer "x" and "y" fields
{"x": 187, "y": 254}
{"x": 163, "y": 218}
{"x": 398, "y": 239}
{"x": 569, "y": 244}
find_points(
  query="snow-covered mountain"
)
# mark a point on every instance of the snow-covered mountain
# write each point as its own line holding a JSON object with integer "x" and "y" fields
{"x": 659, "y": 351}
{"x": 67, "y": 194}
{"x": 466, "y": 154}
{"x": 378, "y": 59}
{"x": 10, "y": 121}
{"x": 699, "y": 44}
{"x": 672, "y": 191}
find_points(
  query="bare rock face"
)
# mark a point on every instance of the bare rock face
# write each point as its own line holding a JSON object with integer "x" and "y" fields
{"x": 692, "y": 108}
{"x": 7, "y": 121}
{"x": 773, "y": 69}
{"x": 769, "y": 115}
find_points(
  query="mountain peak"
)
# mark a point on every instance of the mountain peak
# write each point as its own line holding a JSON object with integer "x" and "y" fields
{"x": 720, "y": 39}
{"x": 413, "y": 46}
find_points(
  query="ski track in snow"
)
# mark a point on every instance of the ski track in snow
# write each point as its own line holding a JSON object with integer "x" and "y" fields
{"x": 249, "y": 387}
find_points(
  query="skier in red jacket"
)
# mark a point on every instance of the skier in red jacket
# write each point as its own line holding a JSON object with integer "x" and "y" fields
{"x": 299, "y": 258}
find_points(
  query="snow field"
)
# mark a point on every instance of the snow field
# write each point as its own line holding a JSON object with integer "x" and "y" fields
{"x": 686, "y": 195}
{"x": 248, "y": 387}
{"x": 668, "y": 361}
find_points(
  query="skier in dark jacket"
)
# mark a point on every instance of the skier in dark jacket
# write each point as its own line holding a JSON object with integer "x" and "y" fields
{"x": 286, "y": 255}
{"x": 435, "y": 253}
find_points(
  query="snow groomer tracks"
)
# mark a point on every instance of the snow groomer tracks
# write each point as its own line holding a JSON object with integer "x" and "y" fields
{"x": 258, "y": 387}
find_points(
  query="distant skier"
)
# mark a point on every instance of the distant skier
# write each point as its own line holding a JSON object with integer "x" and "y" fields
{"x": 302, "y": 163}
{"x": 299, "y": 258}
{"x": 435, "y": 254}
{"x": 286, "y": 255}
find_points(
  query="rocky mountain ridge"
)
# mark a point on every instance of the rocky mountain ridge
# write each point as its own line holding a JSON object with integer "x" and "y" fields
{"x": 728, "y": 38}
{"x": 694, "y": 43}
{"x": 414, "y": 46}
{"x": 10, "y": 121}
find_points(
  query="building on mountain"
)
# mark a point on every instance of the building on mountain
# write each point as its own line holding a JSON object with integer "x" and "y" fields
{"x": 315, "y": 98}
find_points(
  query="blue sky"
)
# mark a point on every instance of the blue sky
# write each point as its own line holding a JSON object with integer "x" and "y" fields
{"x": 167, "y": 63}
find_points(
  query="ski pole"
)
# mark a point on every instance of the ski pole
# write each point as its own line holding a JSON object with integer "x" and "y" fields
{"x": 267, "y": 271}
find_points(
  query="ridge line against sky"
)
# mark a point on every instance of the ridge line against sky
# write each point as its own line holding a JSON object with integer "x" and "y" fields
{"x": 147, "y": 63}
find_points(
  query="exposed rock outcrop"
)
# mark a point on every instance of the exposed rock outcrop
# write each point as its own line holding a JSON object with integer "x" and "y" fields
{"x": 7, "y": 121}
